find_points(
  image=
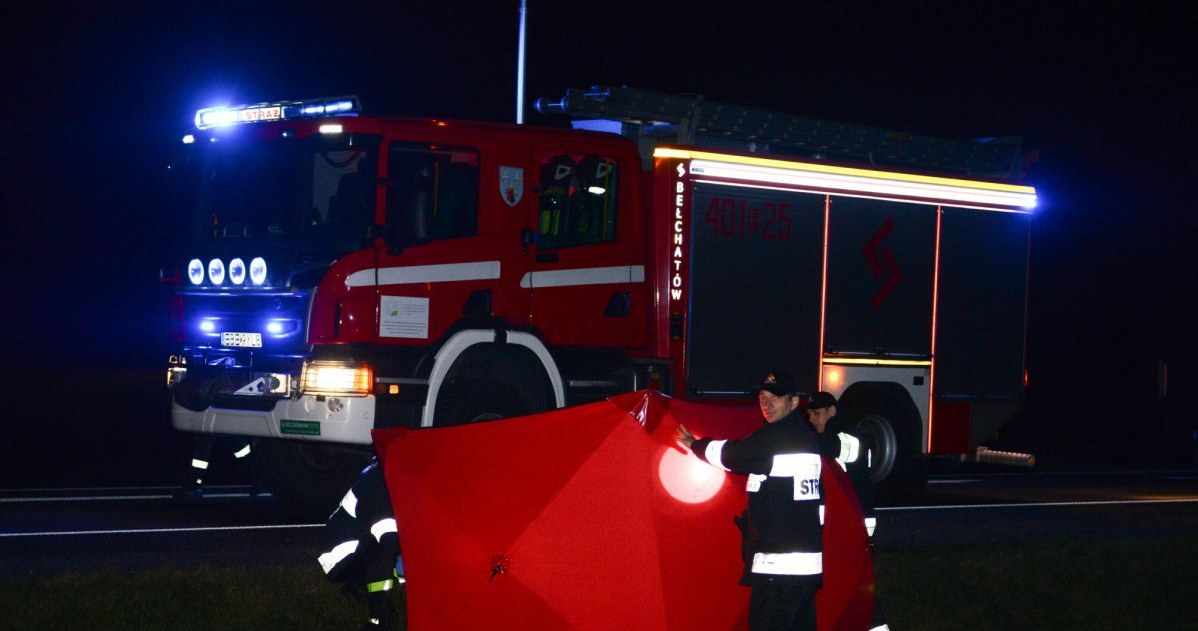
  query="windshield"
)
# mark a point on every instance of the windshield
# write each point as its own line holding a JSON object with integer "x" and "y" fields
{"x": 309, "y": 196}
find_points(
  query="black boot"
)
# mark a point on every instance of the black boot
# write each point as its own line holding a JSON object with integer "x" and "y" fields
{"x": 381, "y": 607}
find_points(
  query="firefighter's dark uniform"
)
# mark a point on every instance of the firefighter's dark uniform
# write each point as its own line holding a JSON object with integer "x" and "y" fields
{"x": 196, "y": 393}
{"x": 854, "y": 453}
{"x": 201, "y": 458}
{"x": 361, "y": 547}
{"x": 783, "y": 543}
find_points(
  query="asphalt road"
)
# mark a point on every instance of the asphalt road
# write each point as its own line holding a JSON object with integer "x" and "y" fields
{"x": 128, "y": 528}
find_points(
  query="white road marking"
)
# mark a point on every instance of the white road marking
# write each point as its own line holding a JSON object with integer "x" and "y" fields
{"x": 145, "y": 531}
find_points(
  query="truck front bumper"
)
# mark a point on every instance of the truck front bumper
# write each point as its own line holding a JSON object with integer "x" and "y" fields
{"x": 315, "y": 418}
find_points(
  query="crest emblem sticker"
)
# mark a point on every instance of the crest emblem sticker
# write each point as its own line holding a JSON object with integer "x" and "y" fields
{"x": 511, "y": 184}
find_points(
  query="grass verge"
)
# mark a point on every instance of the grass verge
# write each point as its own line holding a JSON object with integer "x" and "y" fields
{"x": 1082, "y": 585}
{"x": 1129, "y": 584}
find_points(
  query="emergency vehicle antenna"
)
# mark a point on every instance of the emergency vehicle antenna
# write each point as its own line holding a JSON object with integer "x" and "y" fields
{"x": 690, "y": 119}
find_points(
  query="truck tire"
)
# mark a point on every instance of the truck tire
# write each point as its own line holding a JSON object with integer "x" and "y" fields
{"x": 886, "y": 445}
{"x": 896, "y": 466}
{"x": 312, "y": 477}
{"x": 464, "y": 401}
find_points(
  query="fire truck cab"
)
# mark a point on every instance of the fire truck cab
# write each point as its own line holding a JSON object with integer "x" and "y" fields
{"x": 346, "y": 273}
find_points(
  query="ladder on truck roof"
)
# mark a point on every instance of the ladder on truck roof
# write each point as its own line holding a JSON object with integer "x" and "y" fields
{"x": 650, "y": 117}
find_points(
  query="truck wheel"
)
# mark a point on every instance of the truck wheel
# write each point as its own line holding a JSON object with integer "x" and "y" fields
{"x": 464, "y": 401}
{"x": 886, "y": 447}
{"x": 312, "y": 477}
{"x": 895, "y": 467}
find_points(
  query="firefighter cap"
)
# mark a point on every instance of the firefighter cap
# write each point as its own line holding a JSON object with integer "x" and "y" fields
{"x": 820, "y": 400}
{"x": 778, "y": 384}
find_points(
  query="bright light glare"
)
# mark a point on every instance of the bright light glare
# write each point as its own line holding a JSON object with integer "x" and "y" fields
{"x": 195, "y": 271}
{"x": 274, "y": 327}
{"x": 331, "y": 128}
{"x": 215, "y": 117}
{"x": 216, "y": 271}
{"x": 688, "y": 479}
{"x": 207, "y": 326}
{"x": 237, "y": 271}
{"x": 336, "y": 378}
{"x": 258, "y": 271}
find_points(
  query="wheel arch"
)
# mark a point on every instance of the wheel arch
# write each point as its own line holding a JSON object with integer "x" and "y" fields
{"x": 891, "y": 402}
{"x": 498, "y": 354}
{"x": 864, "y": 397}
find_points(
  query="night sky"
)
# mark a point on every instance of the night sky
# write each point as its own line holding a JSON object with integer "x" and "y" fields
{"x": 96, "y": 100}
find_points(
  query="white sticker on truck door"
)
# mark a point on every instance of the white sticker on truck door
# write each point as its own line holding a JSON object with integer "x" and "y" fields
{"x": 403, "y": 316}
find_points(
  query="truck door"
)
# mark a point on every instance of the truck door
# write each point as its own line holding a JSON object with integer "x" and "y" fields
{"x": 881, "y": 260}
{"x": 587, "y": 277}
{"x": 755, "y": 283}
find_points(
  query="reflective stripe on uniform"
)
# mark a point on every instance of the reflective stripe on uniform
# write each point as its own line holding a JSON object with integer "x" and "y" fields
{"x": 196, "y": 463}
{"x": 870, "y": 524}
{"x": 850, "y": 448}
{"x": 712, "y": 453}
{"x": 795, "y": 466}
{"x": 881, "y": 627}
{"x": 789, "y": 563}
{"x": 382, "y": 527}
{"x": 350, "y": 503}
{"x": 330, "y": 559}
{"x": 243, "y": 452}
{"x": 821, "y": 514}
{"x": 380, "y": 586}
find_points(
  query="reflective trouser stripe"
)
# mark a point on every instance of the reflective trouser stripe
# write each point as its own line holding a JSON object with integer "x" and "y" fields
{"x": 330, "y": 559}
{"x": 196, "y": 463}
{"x": 821, "y": 514}
{"x": 881, "y": 627}
{"x": 243, "y": 452}
{"x": 870, "y": 524}
{"x": 789, "y": 563}
{"x": 380, "y": 586}
{"x": 382, "y": 527}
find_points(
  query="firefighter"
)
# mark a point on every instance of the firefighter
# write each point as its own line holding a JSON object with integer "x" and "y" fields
{"x": 202, "y": 447}
{"x": 361, "y": 548}
{"x": 196, "y": 393}
{"x": 782, "y": 538}
{"x": 854, "y": 453}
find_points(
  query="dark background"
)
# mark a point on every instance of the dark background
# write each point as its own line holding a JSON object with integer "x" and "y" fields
{"x": 96, "y": 99}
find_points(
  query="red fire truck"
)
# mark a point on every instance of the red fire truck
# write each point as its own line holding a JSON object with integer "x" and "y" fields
{"x": 347, "y": 272}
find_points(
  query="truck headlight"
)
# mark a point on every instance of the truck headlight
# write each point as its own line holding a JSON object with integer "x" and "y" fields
{"x": 340, "y": 378}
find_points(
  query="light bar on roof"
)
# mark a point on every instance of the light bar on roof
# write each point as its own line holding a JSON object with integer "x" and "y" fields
{"x": 222, "y": 116}
{"x": 855, "y": 181}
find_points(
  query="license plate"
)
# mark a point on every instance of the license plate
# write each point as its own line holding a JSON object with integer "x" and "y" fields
{"x": 248, "y": 340}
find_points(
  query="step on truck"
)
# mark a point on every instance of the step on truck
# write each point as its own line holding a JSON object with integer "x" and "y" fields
{"x": 342, "y": 272}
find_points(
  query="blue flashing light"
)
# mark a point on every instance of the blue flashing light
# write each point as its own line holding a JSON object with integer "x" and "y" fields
{"x": 223, "y": 116}
{"x": 208, "y": 325}
{"x": 281, "y": 328}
